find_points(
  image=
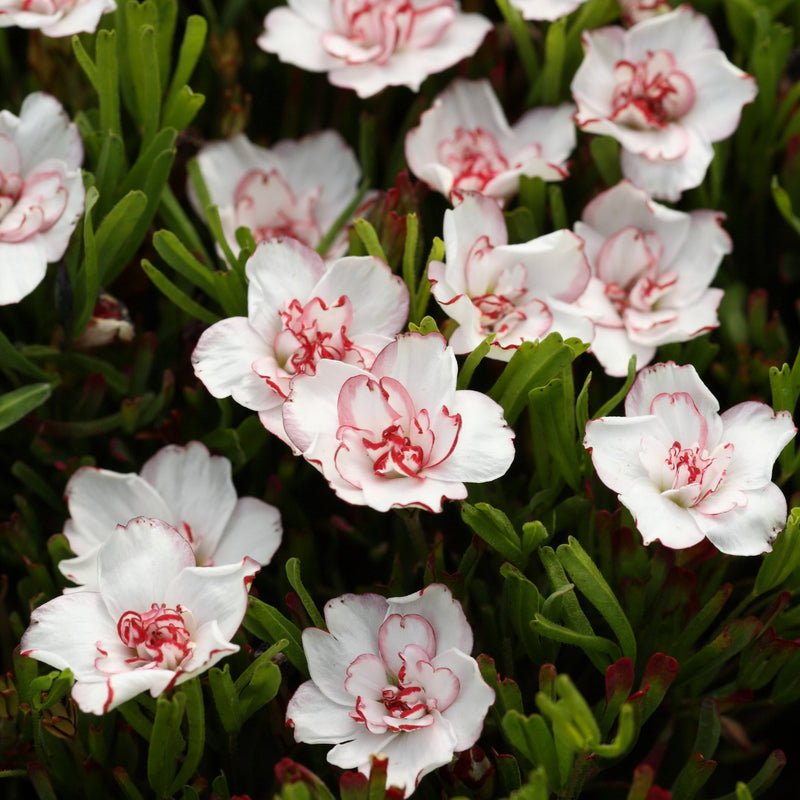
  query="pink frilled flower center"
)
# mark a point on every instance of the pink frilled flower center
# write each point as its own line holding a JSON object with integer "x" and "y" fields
{"x": 372, "y": 30}
{"x": 501, "y": 296}
{"x": 265, "y": 203}
{"x": 474, "y": 157}
{"x": 650, "y": 93}
{"x": 383, "y": 434}
{"x": 687, "y": 472}
{"x": 159, "y": 636}
{"x": 313, "y": 332}
{"x": 28, "y": 205}
{"x": 400, "y": 689}
{"x": 629, "y": 265}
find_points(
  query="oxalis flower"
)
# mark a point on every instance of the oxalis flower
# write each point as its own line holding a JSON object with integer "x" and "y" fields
{"x": 665, "y": 91}
{"x": 367, "y": 45}
{"x": 300, "y": 312}
{"x": 55, "y": 17}
{"x": 155, "y": 621}
{"x": 295, "y": 188}
{"x": 464, "y": 143}
{"x": 392, "y": 677}
{"x": 41, "y": 192}
{"x": 401, "y": 434}
{"x": 187, "y": 488}
{"x": 688, "y": 473}
{"x": 651, "y": 266}
{"x": 518, "y": 292}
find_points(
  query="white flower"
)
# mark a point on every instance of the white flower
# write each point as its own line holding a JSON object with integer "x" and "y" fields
{"x": 110, "y": 322}
{"x": 367, "y": 45}
{"x": 519, "y": 292}
{"x": 155, "y": 621}
{"x": 41, "y": 192}
{"x": 299, "y": 313}
{"x": 634, "y": 11}
{"x": 665, "y": 91}
{"x": 401, "y": 434}
{"x": 393, "y": 677}
{"x": 686, "y": 472}
{"x": 187, "y": 488}
{"x": 464, "y": 142}
{"x": 55, "y": 17}
{"x": 295, "y": 188}
{"x": 545, "y": 9}
{"x": 651, "y": 266}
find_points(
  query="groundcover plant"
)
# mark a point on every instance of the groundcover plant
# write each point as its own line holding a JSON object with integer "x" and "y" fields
{"x": 398, "y": 398}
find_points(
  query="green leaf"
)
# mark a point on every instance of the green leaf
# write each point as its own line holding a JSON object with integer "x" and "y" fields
{"x": 195, "y": 721}
{"x": 369, "y": 239}
{"x": 47, "y": 690}
{"x": 226, "y": 699}
{"x": 579, "y": 710}
{"x": 532, "y": 365}
{"x": 784, "y": 204}
{"x": 259, "y": 683}
{"x": 524, "y": 601}
{"x": 88, "y": 278}
{"x": 85, "y": 60}
{"x": 12, "y": 358}
{"x": 117, "y": 228}
{"x": 166, "y": 744}
{"x": 553, "y": 64}
{"x": 625, "y": 738}
{"x": 692, "y": 777}
{"x": 472, "y": 361}
{"x": 174, "y": 294}
{"x": 531, "y": 737}
{"x": 269, "y": 624}
{"x": 605, "y": 154}
{"x": 709, "y": 727}
{"x": 192, "y": 46}
{"x": 296, "y": 582}
{"x": 14, "y": 405}
{"x": 107, "y": 83}
{"x": 495, "y": 528}
{"x": 611, "y": 404}
{"x": 778, "y": 565}
{"x": 183, "y": 109}
{"x": 591, "y": 644}
{"x": 593, "y": 585}
{"x": 172, "y": 250}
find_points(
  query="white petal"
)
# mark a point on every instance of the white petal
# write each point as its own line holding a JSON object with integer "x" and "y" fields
{"x": 380, "y": 299}
{"x": 669, "y": 378}
{"x": 223, "y": 361}
{"x": 747, "y": 530}
{"x": 475, "y": 697}
{"x": 484, "y": 450}
{"x": 45, "y": 131}
{"x": 683, "y": 32}
{"x": 217, "y": 594}
{"x": 80, "y": 18}
{"x": 667, "y": 179}
{"x": 659, "y": 519}
{"x": 317, "y": 719}
{"x": 198, "y": 488}
{"x": 137, "y": 564}
{"x": 210, "y": 646}
{"x": 294, "y": 40}
{"x": 23, "y": 266}
{"x": 614, "y": 443}
{"x": 355, "y": 753}
{"x": 65, "y": 632}
{"x": 254, "y": 529}
{"x": 99, "y": 500}
{"x": 758, "y": 435}
{"x": 436, "y": 604}
{"x": 100, "y": 697}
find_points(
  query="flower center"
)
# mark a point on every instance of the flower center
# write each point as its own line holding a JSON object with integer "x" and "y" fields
{"x": 160, "y": 635}
{"x": 315, "y": 331}
{"x": 394, "y": 454}
{"x": 689, "y": 464}
{"x": 650, "y": 93}
{"x": 266, "y": 204}
{"x": 10, "y": 190}
{"x": 404, "y": 702}
{"x": 372, "y": 30}
{"x": 474, "y": 157}
{"x": 499, "y": 314}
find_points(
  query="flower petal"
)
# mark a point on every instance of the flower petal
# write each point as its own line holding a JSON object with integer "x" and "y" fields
{"x": 254, "y": 529}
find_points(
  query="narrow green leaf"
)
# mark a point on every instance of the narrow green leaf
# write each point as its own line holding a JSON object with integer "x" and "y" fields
{"x": 12, "y": 358}
{"x": 172, "y": 250}
{"x": 593, "y": 585}
{"x": 296, "y": 582}
{"x": 269, "y": 624}
{"x": 553, "y": 64}
{"x": 784, "y": 204}
{"x": 192, "y": 46}
{"x": 590, "y": 644}
{"x": 175, "y": 295}
{"x": 117, "y": 227}
{"x": 369, "y": 238}
{"x": 196, "y": 729}
{"x": 625, "y": 738}
{"x": 579, "y": 710}
{"x": 107, "y": 84}
{"x": 166, "y": 744}
{"x": 146, "y": 80}
{"x": 779, "y": 564}
{"x": 88, "y": 274}
{"x": 472, "y": 361}
{"x": 495, "y": 528}
{"x": 531, "y": 737}
{"x": 611, "y": 404}
{"x": 183, "y": 109}
{"x": 85, "y": 60}
{"x": 605, "y": 154}
{"x": 14, "y": 405}
{"x": 226, "y": 699}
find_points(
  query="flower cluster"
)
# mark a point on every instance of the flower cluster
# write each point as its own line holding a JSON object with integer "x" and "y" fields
{"x": 55, "y": 17}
